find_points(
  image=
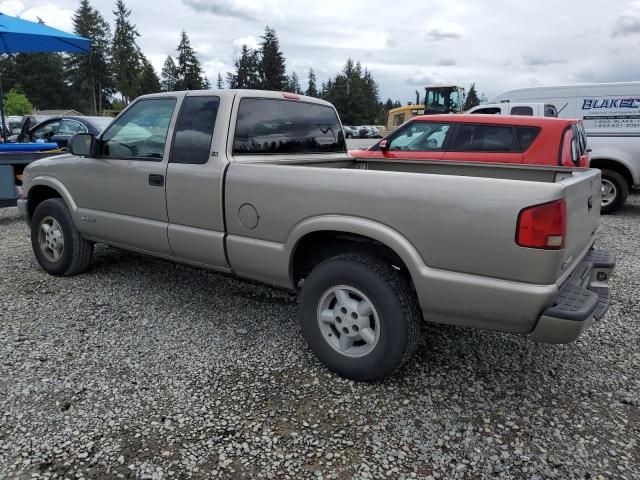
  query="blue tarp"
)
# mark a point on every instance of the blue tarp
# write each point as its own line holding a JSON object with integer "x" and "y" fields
{"x": 19, "y": 36}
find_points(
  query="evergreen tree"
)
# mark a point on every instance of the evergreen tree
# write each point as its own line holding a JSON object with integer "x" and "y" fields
{"x": 190, "y": 76}
{"x": 90, "y": 74}
{"x": 148, "y": 81}
{"x": 472, "y": 99}
{"x": 293, "y": 84}
{"x": 41, "y": 76}
{"x": 355, "y": 95}
{"x": 247, "y": 73}
{"x": 312, "y": 89}
{"x": 169, "y": 75}
{"x": 272, "y": 64}
{"x": 126, "y": 55}
{"x": 219, "y": 83}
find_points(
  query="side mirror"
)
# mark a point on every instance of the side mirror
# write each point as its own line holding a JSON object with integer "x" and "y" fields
{"x": 384, "y": 145}
{"x": 82, "y": 144}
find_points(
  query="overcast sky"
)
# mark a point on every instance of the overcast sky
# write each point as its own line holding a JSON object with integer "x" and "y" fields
{"x": 499, "y": 44}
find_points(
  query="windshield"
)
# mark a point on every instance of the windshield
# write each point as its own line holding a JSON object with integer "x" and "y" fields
{"x": 101, "y": 122}
{"x": 442, "y": 99}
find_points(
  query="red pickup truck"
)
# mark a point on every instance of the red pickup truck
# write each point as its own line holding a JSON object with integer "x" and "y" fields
{"x": 486, "y": 138}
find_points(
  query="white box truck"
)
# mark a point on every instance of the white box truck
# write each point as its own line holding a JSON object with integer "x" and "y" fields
{"x": 611, "y": 116}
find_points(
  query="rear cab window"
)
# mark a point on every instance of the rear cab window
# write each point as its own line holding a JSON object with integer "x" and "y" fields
{"x": 487, "y": 111}
{"x": 522, "y": 110}
{"x": 274, "y": 126}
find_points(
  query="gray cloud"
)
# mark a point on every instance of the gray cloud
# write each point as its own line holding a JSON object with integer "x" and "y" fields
{"x": 437, "y": 34}
{"x": 254, "y": 11}
{"x": 424, "y": 77}
{"x": 539, "y": 60}
{"x": 447, "y": 62}
{"x": 627, "y": 23}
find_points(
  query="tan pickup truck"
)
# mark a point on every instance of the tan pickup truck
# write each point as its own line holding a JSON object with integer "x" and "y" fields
{"x": 259, "y": 185}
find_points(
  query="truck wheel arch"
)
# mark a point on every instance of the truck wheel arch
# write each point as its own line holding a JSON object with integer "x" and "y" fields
{"x": 41, "y": 189}
{"x": 317, "y": 239}
{"x": 616, "y": 166}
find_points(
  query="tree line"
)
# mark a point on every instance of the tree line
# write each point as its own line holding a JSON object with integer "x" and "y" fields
{"x": 117, "y": 71}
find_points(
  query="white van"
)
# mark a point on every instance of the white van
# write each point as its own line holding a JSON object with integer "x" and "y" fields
{"x": 611, "y": 116}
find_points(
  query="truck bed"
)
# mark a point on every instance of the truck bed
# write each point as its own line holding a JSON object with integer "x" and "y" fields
{"x": 430, "y": 203}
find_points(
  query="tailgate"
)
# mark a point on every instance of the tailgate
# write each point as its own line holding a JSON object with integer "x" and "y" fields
{"x": 582, "y": 194}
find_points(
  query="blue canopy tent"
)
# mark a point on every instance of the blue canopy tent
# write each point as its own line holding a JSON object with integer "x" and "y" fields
{"x": 22, "y": 36}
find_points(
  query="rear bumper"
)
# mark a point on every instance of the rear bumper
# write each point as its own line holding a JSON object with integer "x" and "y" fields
{"x": 582, "y": 300}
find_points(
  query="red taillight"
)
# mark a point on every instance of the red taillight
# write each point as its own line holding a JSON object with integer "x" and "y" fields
{"x": 543, "y": 226}
{"x": 290, "y": 96}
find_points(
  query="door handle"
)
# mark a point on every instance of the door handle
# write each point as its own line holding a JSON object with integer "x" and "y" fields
{"x": 156, "y": 180}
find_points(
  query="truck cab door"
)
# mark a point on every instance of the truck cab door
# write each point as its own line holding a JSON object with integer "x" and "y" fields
{"x": 195, "y": 176}
{"x": 120, "y": 192}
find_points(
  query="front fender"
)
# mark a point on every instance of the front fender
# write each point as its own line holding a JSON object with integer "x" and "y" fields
{"x": 52, "y": 183}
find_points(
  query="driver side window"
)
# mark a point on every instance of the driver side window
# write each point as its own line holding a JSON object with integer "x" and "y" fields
{"x": 45, "y": 132}
{"x": 421, "y": 136}
{"x": 141, "y": 132}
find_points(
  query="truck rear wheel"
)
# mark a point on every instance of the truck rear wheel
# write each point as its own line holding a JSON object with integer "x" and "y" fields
{"x": 359, "y": 316}
{"x": 57, "y": 244}
{"x": 614, "y": 191}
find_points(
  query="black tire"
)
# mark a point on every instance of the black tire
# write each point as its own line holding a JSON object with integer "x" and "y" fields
{"x": 621, "y": 191}
{"x": 77, "y": 252}
{"x": 394, "y": 301}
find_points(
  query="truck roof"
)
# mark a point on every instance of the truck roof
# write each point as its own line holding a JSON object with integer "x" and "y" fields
{"x": 244, "y": 93}
{"x": 496, "y": 119}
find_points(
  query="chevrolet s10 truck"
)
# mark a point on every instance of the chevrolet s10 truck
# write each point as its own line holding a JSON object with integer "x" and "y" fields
{"x": 259, "y": 185}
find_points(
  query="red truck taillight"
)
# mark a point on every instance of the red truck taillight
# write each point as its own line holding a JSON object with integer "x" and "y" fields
{"x": 543, "y": 226}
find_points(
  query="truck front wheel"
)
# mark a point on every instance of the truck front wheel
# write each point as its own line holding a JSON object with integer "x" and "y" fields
{"x": 359, "y": 316}
{"x": 614, "y": 191}
{"x": 57, "y": 244}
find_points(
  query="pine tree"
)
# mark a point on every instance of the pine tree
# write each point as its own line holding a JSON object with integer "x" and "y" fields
{"x": 247, "y": 74}
{"x": 91, "y": 75}
{"x": 219, "y": 83}
{"x": 148, "y": 81}
{"x": 312, "y": 89}
{"x": 272, "y": 63}
{"x": 190, "y": 76}
{"x": 355, "y": 95}
{"x": 293, "y": 84}
{"x": 472, "y": 99}
{"x": 127, "y": 58}
{"x": 169, "y": 75}
{"x": 41, "y": 76}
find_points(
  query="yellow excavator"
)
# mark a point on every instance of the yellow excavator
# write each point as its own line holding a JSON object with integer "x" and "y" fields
{"x": 437, "y": 99}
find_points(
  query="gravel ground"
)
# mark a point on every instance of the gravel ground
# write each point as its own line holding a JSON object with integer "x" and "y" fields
{"x": 145, "y": 369}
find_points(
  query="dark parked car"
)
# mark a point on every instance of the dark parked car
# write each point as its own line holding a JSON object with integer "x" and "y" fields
{"x": 60, "y": 129}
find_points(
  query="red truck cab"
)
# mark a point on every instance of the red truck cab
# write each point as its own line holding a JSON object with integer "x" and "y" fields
{"x": 485, "y": 138}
